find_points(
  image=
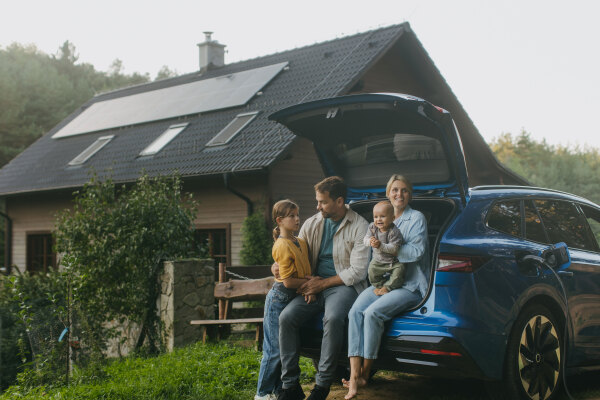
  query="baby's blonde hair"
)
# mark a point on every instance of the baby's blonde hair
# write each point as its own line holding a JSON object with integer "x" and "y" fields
{"x": 282, "y": 209}
{"x": 389, "y": 208}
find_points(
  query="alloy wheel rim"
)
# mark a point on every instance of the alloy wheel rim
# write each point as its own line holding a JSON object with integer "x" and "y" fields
{"x": 539, "y": 358}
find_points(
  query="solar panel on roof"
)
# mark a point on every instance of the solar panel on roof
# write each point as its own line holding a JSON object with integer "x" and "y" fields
{"x": 191, "y": 98}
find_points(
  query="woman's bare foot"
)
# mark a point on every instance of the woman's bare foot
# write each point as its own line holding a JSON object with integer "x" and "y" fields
{"x": 353, "y": 384}
{"x": 361, "y": 382}
{"x": 352, "y": 388}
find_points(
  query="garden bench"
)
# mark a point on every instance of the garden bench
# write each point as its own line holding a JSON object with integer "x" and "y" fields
{"x": 226, "y": 292}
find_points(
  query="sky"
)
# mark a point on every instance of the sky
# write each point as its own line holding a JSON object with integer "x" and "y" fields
{"x": 513, "y": 65}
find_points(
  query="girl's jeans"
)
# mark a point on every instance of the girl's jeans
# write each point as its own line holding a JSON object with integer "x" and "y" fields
{"x": 368, "y": 316}
{"x": 269, "y": 376}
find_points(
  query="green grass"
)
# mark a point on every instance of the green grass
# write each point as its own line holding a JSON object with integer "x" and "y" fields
{"x": 211, "y": 371}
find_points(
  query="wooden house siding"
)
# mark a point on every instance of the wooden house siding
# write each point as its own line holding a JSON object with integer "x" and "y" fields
{"x": 218, "y": 206}
{"x": 295, "y": 178}
{"x": 32, "y": 214}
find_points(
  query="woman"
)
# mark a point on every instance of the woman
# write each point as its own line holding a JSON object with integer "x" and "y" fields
{"x": 370, "y": 311}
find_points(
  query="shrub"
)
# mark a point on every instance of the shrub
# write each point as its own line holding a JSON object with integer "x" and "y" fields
{"x": 257, "y": 241}
{"x": 114, "y": 241}
{"x": 32, "y": 308}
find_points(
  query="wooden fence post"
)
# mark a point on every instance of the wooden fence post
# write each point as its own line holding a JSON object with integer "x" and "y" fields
{"x": 223, "y": 304}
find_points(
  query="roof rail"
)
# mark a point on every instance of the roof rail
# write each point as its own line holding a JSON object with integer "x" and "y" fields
{"x": 505, "y": 187}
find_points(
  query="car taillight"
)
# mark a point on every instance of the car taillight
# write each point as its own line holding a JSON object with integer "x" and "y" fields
{"x": 441, "y": 353}
{"x": 454, "y": 263}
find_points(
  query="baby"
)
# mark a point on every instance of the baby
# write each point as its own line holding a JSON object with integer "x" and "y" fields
{"x": 385, "y": 272}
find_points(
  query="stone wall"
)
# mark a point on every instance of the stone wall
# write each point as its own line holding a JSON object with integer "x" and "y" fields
{"x": 186, "y": 293}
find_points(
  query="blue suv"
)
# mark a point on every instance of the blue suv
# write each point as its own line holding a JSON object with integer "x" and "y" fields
{"x": 514, "y": 292}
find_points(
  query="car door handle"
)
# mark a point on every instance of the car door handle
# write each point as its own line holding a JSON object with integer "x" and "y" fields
{"x": 567, "y": 274}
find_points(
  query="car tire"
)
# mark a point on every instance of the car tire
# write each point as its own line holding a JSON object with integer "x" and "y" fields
{"x": 533, "y": 368}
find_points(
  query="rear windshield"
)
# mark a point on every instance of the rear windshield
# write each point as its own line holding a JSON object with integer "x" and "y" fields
{"x": 368, "y": 161}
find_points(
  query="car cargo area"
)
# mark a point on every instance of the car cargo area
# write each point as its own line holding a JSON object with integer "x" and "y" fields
{"x": 437, "y": 211}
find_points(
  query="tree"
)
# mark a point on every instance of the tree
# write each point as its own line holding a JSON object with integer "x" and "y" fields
{"x": 37, "y": 91}
{"x": 572, "y": 170}
{"x": 114, "y": 242}
{"x": 164, "y": 73}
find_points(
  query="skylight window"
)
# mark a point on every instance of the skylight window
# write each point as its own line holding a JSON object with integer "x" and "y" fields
{"x": 232, "y": 129}
{"x": 91, "y": 150}
{"x": 163, "y": 139}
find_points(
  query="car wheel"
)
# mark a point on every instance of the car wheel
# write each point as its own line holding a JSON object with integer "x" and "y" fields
{"x": 534, "y": 355}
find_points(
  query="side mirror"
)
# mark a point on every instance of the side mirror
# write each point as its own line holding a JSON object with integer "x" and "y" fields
{"x": 557, "y": 256}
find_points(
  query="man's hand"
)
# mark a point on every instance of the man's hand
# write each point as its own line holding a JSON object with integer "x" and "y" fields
{"x": 275, "y": 270}
{"x": 374, "y": 242}
{"x": 381, "y": 291}
{"x": 313, "y": 286}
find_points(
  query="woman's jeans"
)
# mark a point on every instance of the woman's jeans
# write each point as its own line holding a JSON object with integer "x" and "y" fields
{"x": 368, "y": 316}
{"x": 269, "y": 376}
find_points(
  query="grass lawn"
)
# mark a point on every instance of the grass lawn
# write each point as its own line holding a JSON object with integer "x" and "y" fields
{"x": 211, "y": 371}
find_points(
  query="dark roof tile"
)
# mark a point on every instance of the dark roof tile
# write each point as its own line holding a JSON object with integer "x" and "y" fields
{"x": 316, "y": 71}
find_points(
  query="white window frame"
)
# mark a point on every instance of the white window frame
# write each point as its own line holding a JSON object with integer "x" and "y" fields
{"x": 225, "y": 135}
{"x": 164, "y": 139}
{"x": 91, "y": 150}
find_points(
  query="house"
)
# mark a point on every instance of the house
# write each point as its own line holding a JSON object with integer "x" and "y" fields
{"x": 212, "y": 127}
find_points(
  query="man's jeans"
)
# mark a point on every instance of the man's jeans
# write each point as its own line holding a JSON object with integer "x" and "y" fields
{"x": 269, "y": 376}
{"x": 368, "y": 316}
{"x": 336, "y": 301}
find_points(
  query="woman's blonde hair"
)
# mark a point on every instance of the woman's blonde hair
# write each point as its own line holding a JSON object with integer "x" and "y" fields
{"x": 282, "y": 209}
{"x": 398, "y": 177}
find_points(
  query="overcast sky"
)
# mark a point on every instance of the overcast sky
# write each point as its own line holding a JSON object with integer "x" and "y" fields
{"x": 513, "y": 65}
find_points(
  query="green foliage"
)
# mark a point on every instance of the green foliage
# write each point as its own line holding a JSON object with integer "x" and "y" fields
{"x": 38, "y": 90}
{"x": 257, "y": 241}
{"x": 114, "y": 241}
{"x": 33, "y": 313}
{"x": 199, "y": 371}
{"x": 572, "y": 170}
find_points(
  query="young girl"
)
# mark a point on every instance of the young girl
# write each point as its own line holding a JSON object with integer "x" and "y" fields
{"x": 291, "y": 253}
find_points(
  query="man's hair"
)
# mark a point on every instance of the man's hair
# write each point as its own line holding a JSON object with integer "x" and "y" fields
{"x": 334, "y": 185}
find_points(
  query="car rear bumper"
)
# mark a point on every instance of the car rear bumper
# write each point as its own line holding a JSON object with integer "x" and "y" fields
{"x": 428, "y": 355}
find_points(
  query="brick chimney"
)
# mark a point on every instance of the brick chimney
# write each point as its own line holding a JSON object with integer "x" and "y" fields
{"x": 212, "y": 54}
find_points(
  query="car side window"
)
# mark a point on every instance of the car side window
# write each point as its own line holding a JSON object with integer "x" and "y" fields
{"x": 564, "y": 223}
{"x": 593, "y": 218}
{"x": 534, "y": 229}
{"x": 505, "y": 216}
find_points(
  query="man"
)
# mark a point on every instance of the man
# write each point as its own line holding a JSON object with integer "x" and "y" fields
{"x": 339, "y": 262}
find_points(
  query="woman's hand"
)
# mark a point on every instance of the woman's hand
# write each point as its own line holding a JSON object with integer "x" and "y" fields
{"x": 381, "y": 291}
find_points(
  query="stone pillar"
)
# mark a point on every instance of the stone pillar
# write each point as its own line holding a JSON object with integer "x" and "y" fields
{"x": 187, "y": 293}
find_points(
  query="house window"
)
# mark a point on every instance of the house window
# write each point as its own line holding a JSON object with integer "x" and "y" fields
{"x": 164, "y": 139}
{"x": 232, "y": 129}
{"x": 40, "y": 253}
{"x": 216, "y": 243}
{"x": 91, "y": 150}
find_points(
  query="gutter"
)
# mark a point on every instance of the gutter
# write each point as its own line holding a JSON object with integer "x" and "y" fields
{"x": 7, "y": 245}
{"x": 249, "y": 204}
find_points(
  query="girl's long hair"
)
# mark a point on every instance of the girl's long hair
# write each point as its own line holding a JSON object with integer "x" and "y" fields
{"x": 282, "y": 209}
